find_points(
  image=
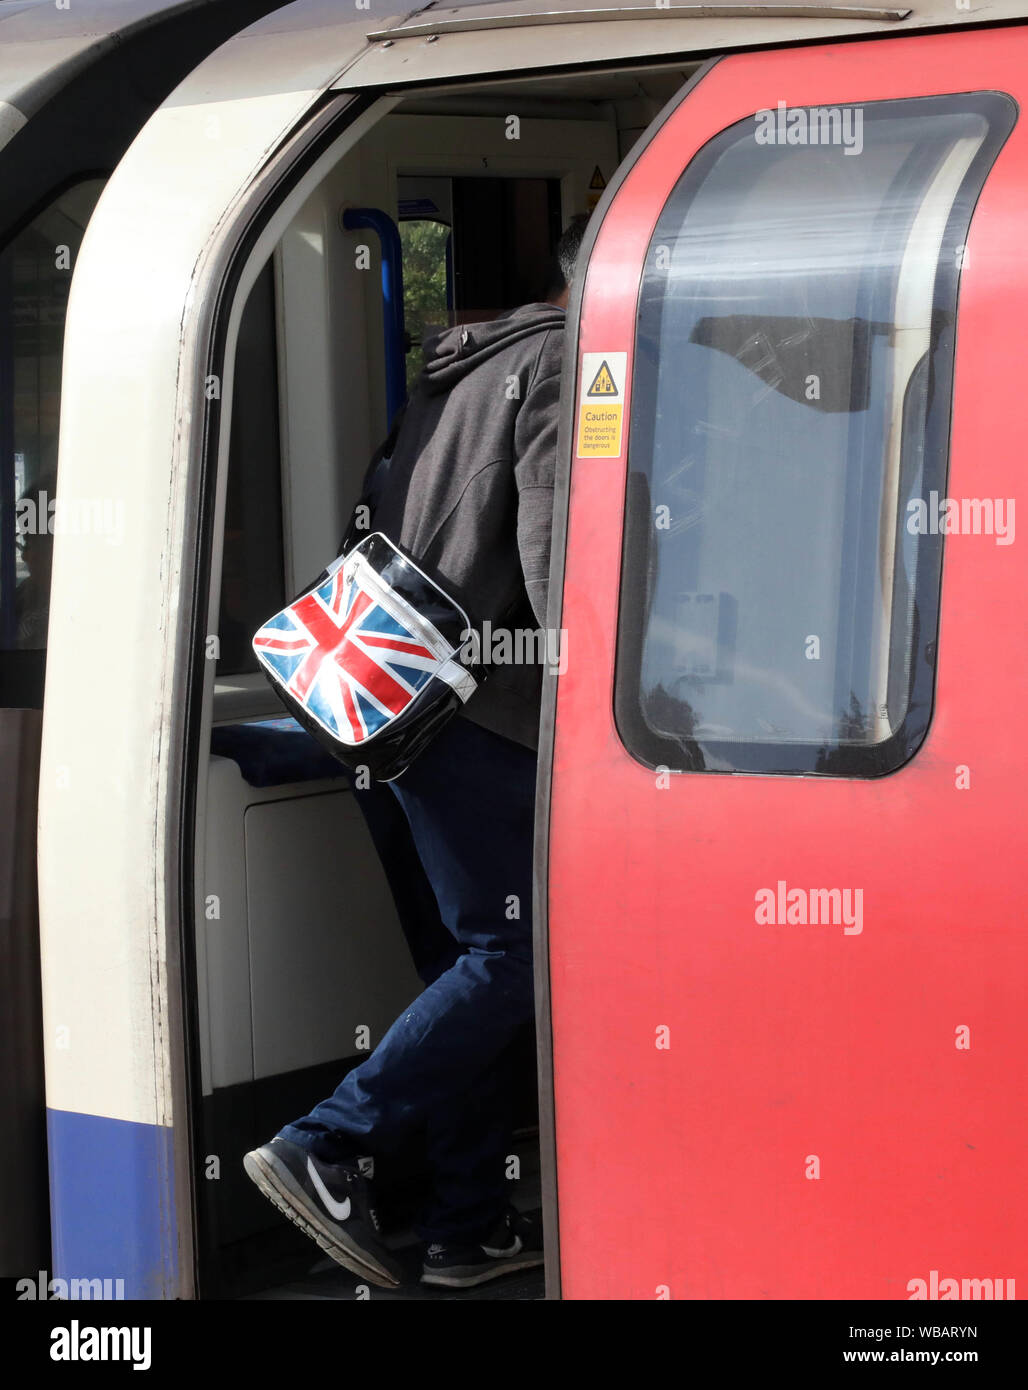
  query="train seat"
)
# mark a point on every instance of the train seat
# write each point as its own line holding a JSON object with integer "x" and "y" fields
{"x": 273, "y": 752}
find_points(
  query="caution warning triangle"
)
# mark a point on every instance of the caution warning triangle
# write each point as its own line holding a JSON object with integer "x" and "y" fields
{"x": 597, "y": 181}
{"x": 603, "y": 383}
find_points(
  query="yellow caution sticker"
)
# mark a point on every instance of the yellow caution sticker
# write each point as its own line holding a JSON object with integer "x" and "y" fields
{"x": 601, "y": 404}
{"x": 596, "y": 186}
{"x": 603, "y": 383}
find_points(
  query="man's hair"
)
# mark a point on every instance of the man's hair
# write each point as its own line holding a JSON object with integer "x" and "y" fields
{"x": 565, "y": 256}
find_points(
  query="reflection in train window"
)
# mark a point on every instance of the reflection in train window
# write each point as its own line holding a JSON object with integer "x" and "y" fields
{"x": 791, "y": 397}
{"x": 35, "y": 277}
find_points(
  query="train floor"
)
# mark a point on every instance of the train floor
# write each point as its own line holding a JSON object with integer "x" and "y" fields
{"x": 324, "y": 1279}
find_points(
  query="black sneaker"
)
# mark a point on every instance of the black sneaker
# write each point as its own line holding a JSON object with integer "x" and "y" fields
{"x": 516, "y": 1243}
{"x": 332, "y": 1203}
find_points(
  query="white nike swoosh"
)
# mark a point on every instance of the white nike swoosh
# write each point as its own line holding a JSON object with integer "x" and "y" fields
{"x": 340, "y": 1210}
{"x": 514, "y": 1249}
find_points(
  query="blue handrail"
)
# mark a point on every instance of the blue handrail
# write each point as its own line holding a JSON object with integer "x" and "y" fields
{"x": 392, "y": 299}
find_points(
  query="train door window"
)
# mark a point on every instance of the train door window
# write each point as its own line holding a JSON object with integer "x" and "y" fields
{"x": 791, "y": 407}
{"x": 253, "y": 569}
{"x": 35, "y": 277}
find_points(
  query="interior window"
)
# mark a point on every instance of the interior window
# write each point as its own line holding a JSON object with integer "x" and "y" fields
{"x": 791, "y": 397}
{"x": 426, "y": 284}
{"x": 35, "y": 276}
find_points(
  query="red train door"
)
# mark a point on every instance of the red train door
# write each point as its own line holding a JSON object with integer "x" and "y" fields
{"x": 786, "y": 886}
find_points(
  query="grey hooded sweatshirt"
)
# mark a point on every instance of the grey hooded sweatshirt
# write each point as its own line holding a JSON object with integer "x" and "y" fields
{"x": 468, "y": 489}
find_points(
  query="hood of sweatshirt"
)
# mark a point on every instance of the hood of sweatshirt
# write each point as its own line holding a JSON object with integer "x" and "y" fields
{"x": 454, "y": 352}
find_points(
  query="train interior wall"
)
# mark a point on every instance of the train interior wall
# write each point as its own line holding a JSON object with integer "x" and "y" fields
{"x": 301, "y": 963}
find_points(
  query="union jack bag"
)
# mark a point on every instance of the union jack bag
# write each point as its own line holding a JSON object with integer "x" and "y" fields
{"x": 369, "y": 658}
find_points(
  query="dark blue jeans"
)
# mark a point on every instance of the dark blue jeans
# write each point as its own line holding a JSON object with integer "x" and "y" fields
{"x": 445, "y": 1064}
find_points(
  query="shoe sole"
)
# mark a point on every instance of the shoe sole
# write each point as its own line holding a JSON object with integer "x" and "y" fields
{"x": 284, "y": 1193}
{"x": 454, "y": 1280}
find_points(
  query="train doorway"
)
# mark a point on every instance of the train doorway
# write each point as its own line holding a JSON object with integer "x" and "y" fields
{"x": 293, "y": 991}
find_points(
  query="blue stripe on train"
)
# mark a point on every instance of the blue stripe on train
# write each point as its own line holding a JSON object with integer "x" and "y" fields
{"x": 112, "y": 1206}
